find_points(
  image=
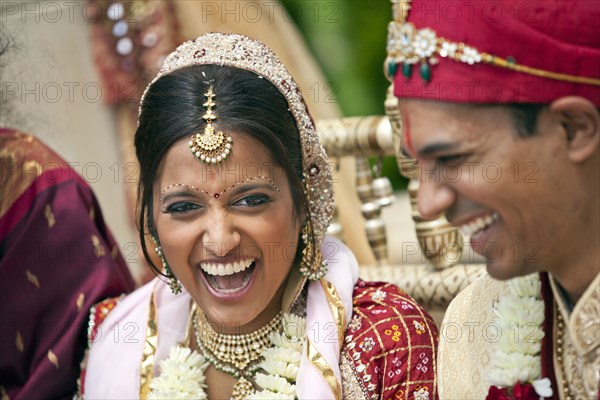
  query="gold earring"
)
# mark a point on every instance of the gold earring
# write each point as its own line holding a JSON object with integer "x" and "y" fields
{"x": 312, "y": 264}
{"x": 174, "y": 283}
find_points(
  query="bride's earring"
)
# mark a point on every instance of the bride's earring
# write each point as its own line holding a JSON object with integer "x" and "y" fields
{"x": 174, "y": 283}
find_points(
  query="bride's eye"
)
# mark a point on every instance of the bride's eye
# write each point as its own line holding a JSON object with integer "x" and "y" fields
{"x": 253, "y": 200}
{"x": 181, "y": 207}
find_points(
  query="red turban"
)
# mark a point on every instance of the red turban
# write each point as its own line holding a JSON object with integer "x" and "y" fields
{"x": 530, "y": 51}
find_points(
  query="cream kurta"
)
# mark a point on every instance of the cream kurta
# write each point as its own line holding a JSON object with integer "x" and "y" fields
{"x": 468, "y": 334}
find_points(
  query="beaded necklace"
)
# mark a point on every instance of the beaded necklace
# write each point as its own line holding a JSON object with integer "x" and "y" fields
{"x": 236, "y": 355}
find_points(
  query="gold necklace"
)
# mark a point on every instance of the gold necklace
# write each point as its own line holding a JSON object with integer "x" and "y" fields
{"x": 560, "y": 323}
{"x": 236, "y": 355}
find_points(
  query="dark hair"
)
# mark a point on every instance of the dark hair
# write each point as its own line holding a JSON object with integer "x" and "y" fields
{"x": 246, "y": 103}
{"x": 525, "y": 117}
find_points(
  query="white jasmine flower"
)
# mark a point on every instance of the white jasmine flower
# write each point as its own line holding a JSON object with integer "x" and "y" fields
{"x": 285, "y": 342}
{"x": 279, "y": 354}
{"x": 543, "y": 387}
{"x": 294, "y": 326}
{"x": 275, "y": 384}
{"x": 526, "y": 286}
{"x": 273, "y": 367}
{"x": 522, "y": 310}
{"x": 181, "y": 376}
{"x": 513, "y": 367}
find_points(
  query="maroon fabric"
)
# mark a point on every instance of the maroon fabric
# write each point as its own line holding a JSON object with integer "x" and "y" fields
{"x": 547, "y": 354}
{"x": 50, "y": 276}
{"x": 553, "y": 35}
{"x": 391, "y": 343}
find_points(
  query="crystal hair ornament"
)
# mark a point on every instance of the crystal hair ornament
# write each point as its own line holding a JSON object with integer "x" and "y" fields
{"x": 213, "y": 146}
{"x": 241, "y": 52}
{"x": 407, "y": 46}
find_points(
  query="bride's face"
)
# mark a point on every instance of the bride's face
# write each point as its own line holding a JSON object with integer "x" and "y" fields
{"x": 228, "y": 231}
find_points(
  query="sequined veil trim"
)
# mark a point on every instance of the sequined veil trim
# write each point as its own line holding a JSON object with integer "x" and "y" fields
{"x": 324, "y": 369}
{"x": 150, "y": 346}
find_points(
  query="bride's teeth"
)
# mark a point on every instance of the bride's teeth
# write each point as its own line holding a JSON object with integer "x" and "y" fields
{"x": 218, "y": 269}
{"x": 228, "y": 269}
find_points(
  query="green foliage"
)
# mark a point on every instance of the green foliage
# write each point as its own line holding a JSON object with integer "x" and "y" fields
{"x": 348, "y": 38}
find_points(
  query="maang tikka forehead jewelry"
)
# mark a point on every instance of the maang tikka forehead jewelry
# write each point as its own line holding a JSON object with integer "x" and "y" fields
{"x": 213, "y": 146}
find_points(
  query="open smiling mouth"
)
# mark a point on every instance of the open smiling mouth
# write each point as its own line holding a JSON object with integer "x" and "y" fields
{"x": 228, "y": 278}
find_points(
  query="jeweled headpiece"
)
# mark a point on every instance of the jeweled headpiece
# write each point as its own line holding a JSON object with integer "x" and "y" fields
{"x": 248, "y": 54}
{"x": 213, "y": 146}
{"x": 505, "y": 52}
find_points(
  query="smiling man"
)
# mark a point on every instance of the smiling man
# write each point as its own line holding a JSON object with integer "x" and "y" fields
{"x": 500, "y": 108}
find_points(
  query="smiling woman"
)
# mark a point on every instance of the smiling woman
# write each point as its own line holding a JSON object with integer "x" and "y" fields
{"x": 254, "y": 301}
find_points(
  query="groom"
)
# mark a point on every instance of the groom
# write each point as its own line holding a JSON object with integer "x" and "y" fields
{"x": 500, "y": 103}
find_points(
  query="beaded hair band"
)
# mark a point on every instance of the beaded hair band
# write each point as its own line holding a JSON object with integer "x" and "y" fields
{"x": 407, "y": 45}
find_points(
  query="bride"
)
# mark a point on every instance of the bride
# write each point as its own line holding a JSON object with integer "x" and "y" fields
{"x": 254, "y": 301}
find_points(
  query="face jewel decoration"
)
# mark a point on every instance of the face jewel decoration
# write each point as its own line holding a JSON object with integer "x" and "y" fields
{"x": 213, "y": 146}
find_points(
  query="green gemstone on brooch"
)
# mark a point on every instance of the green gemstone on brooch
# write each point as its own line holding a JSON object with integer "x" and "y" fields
{"x": 407, "y": 70}
{"x": 392, "y": 68}
{"x": 425, "y": 71}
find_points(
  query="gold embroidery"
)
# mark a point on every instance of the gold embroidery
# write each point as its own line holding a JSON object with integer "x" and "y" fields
{"x": 586, "y": 317}
{"x": 351, "y": 387}
{"x": 322, "y": 366}
{"x": 149, "y": 350}
{"x": 114, "y": 252}
{"x": 32, "y": 278}
{"x": 19, "y": 342}
{"x": 49, "y": 216}
{"x": 53, "y": 359}
{"x": 25, "y": 158}
{"x": 33, "y": 167}
{"x": 80, "y": 300}
{"x": 336, "y": 306}
{"x": 98, "y": 248}
{"x": 578, "y": 365}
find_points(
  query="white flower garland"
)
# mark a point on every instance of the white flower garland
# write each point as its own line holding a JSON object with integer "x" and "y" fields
{"x": 515, "y": 358}
{"x": 182, "y": 373}
{"x": 181, "y": 376}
